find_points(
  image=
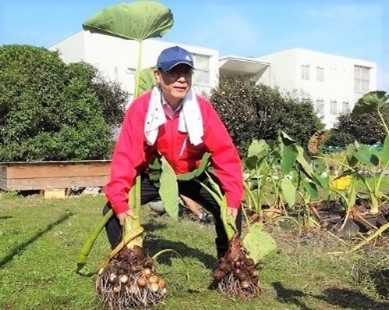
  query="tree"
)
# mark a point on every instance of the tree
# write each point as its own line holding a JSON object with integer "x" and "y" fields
{"x": 259, "y": 112}
{"x": 364, "y": 128}
{"x": 50, "y": 110}
{"x": 375, "y": 101}
{"x": 367, "y": 123}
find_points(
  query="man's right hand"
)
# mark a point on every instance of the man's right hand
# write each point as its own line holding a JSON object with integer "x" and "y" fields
{"x": 122, "y": 216}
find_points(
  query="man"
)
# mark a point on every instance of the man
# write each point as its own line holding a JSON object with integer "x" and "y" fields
{"x": 174, "y": 122}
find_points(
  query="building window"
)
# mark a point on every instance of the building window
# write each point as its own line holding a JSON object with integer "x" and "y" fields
{"x": 345, "y": 107}
{"x": 305, "y": 72}
{"x": 202, "y": 72}
{"x": 320, "y": 74}
{"x": 116, "y": 73}
{"x": 334, "y": 107}
{"x": 320, "y": 106}
{"x": 252, "y": 81}
{"x": 361, "y": 80}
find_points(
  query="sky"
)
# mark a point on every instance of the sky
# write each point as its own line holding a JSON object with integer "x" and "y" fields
{"x": 350, "y": 28}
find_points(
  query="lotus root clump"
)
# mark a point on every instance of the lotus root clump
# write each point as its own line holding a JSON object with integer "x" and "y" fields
{"x": 236, "y": 274}
{"x": 130, "y": 281}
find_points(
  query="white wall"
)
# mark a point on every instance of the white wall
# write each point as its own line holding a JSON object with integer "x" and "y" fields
{"x": 338, "y": 84}
{"x": 72, "y": 49}
{"x": 282, "y": 71}
{"x": 117, "y": 58}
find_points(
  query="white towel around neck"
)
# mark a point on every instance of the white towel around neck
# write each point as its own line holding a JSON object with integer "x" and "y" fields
{"x": 190, "y": 119}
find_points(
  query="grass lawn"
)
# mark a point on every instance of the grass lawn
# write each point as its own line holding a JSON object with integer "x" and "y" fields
{"x": 40, "y": 239}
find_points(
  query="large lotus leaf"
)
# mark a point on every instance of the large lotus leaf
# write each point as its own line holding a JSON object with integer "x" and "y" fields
{"x": 370, "y": 102}
{"x": 134, "y": 21}
{"x": 258, "y": 243}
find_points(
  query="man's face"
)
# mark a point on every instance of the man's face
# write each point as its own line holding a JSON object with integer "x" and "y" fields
{"x": 175, "y": 83}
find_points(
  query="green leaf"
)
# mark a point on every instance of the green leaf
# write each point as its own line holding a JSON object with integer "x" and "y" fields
{"x": 146, "y": 80}
{"x": 352, "y": 161}
{"x": 258, "y": 243}
{"x": 168, "y": 189}
{"x": 257, "y": 147}
{"x": 286, "y": 139}
{"x": 311, "y": 188}
{"x": 228, "y": 220}
{"x": 370, "y": 102}
{"x": 251, "y": 162}
{"x": 288, "y": 155}
{"x": 198, "y": 171}
{"x": 385, "y": 152}
{"x": 307, "y": 167}
{"x": 133, "y": 21}
{"x": 364, "y": 155}
{"x": 288, "y": 191}
{"x": 154, "y": 171}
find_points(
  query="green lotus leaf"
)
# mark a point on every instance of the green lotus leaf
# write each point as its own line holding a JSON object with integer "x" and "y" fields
{"x": 133, "y": 21}
{"x": 168, "y": 190}
{"x": 258, "y": 243}
{"x": 288, "y": 191}
{"x": 198, "y": 171}
{"x": 370, "y": 102}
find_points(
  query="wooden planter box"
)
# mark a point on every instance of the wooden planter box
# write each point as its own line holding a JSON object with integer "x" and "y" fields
{"x": 46, "y": 175}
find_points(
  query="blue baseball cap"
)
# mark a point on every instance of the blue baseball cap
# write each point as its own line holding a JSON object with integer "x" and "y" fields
{"x": 172, "y": 57}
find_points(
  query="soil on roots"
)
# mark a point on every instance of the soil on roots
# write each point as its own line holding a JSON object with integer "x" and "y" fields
{"x": 130, "y": 281}
{"x": 236, "y": 274}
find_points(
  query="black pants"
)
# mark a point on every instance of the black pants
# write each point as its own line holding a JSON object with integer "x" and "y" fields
{"x": 191, "y": 189}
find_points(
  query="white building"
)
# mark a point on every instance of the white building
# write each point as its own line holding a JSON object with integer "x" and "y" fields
{"x": 117, "y": 58}
{"x": 333, "y": 83}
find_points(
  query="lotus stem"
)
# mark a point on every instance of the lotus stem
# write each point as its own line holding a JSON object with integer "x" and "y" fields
{"x": 371, "y": 237}
{"x": 87, "y": 247}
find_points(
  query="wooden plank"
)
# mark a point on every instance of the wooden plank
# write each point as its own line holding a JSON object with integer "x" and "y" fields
{"x": 3, "y": 183}
{"x": 54, "y": 182}
{"x": 55, "y": 169}
{"x": 3, "y": 171}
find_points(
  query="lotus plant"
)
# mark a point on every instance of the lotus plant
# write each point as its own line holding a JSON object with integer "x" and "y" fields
{"x": 128, "y": 277}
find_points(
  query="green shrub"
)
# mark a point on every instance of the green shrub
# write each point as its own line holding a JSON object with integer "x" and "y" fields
{"x": 339, "y": 138}
{"x": 53, "y": 111}
{"x": 299, "y": 120}
{"x": 232, "y": 100}
{"x": 365, "y": 128}
{"x": 259, "y": 112}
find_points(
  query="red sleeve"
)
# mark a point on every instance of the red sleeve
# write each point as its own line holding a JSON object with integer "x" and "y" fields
{"x": 225, "y": 157}
{"x": 128, "y": 155}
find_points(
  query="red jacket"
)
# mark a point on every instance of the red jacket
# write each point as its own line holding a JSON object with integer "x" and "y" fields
{"x": 132, "y": 153}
